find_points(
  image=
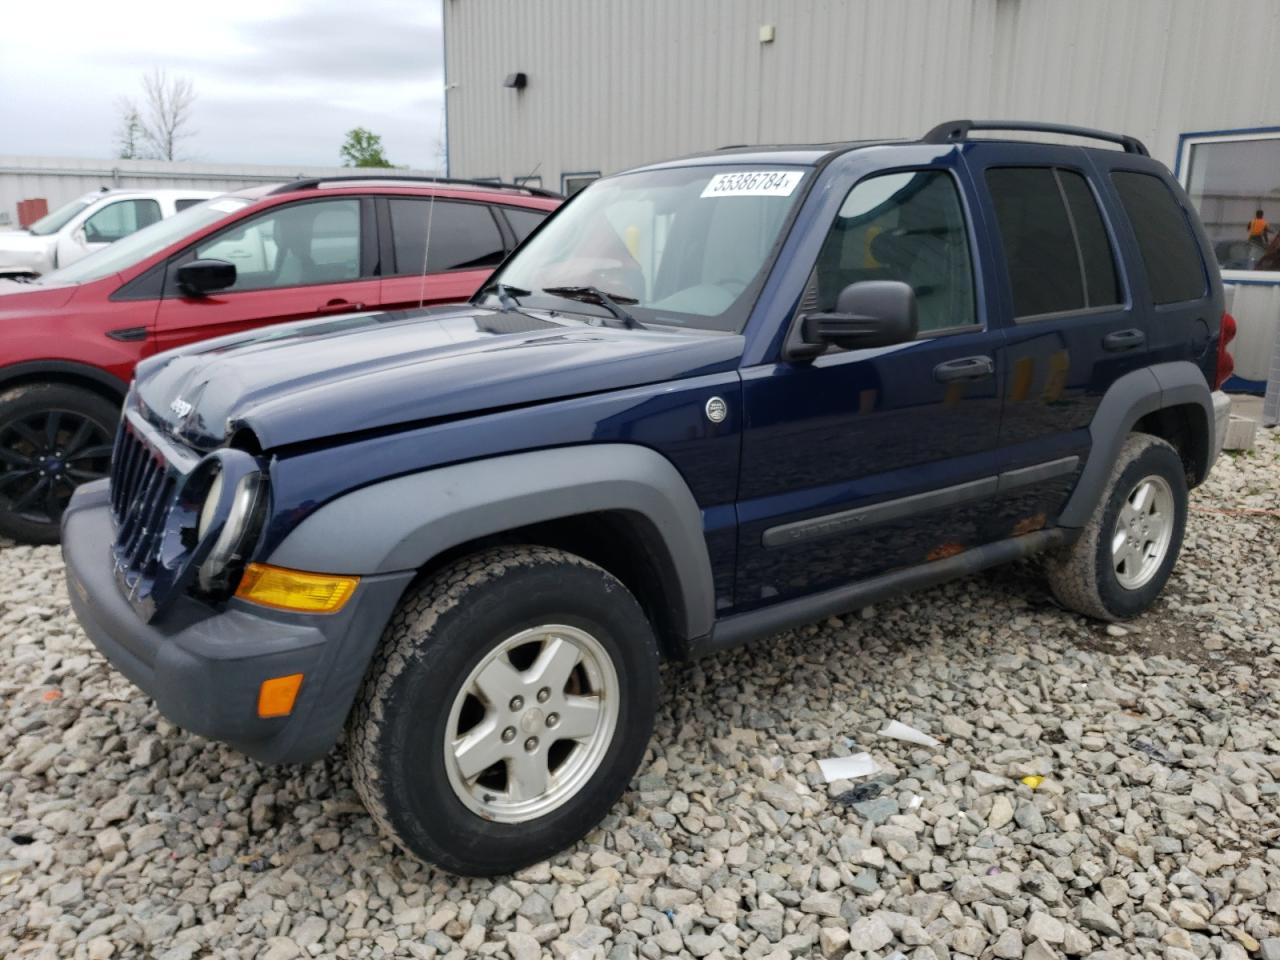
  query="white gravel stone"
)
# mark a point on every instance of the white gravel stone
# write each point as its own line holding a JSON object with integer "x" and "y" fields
{"x": 1152, "y": 834}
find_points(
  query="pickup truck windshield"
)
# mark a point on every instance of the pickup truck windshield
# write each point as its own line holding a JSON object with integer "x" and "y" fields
{"x": 53, "y": 222}
{"x": 138, "y": 246}
{"x": 682, "y": 246}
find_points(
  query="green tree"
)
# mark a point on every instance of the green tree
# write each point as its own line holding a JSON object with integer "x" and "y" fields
{"x": 363, "y": 148}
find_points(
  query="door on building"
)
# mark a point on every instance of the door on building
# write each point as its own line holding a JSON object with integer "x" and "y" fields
{"x": 862, "y": 461}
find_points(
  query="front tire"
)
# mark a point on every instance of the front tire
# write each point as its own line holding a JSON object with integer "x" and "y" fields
{"x": 1126, "y": 552}
{"x": 508, "y": 708}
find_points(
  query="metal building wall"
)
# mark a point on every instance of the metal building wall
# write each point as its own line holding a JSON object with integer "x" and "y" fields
{"x": 614, "y": 83}
{"x": 60, "y": 179}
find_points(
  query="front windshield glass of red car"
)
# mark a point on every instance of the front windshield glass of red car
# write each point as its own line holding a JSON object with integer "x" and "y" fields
{"x": 53, "y": 222}
{"x": 684, "y": 245}
{"x": 149, "y": 240}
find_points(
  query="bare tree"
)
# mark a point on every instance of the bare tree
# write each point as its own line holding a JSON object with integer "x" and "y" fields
{"x": 129, "y": 135}
{"x": 166, "y": 115}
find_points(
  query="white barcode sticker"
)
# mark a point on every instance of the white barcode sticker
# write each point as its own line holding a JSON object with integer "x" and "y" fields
{"x": 754, "y": 183}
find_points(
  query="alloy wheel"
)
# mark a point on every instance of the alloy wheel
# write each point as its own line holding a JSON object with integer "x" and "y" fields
{"x": 1143, "y": 531}
{"x": 532, "y": 723}
{"x": 44, "y": 456}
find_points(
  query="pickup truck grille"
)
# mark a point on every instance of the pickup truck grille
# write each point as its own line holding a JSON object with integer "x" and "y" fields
{"x": 142, "y": 488}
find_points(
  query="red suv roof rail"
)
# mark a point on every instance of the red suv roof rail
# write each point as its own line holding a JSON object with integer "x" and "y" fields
{"x": 957, "y": 131}
{"x": 311, "y": 183}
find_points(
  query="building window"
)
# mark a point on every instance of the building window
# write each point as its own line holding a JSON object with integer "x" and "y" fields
{"x": 1233, "y": 179}
{"x": 572, "y": 183}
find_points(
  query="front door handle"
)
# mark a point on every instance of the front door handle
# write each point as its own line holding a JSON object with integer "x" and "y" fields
{"x": 338, "y": 305}
{"x": 966, "y": 368}
{"x": 1123, "y": 340}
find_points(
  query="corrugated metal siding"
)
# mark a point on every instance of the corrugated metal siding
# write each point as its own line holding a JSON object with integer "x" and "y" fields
{"x": 61, "y": 179}
{"x": 615, "y": 83}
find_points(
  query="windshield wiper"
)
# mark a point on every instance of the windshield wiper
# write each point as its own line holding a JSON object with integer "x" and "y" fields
{"x": 610, "y": 301}
{"x": 506, "y": 294}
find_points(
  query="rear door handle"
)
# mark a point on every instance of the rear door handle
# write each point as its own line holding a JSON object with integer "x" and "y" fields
{"x": 1123, "y": 340}
{"x": 966, "y": 368}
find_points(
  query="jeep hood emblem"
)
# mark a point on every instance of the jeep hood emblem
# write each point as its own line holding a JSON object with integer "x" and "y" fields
{"x": 180, "y": 407}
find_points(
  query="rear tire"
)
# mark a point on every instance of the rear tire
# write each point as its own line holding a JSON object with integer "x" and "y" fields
{"x": 508, "y": 707}
{"x": 1124, "y": 555}
{"x": 53, "y": 437}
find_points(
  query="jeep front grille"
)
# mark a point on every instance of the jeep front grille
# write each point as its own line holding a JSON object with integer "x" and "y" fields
{"x": 142, "y": 488}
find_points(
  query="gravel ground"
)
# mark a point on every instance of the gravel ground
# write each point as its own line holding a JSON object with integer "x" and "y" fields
{"x": 1154, "y": 832}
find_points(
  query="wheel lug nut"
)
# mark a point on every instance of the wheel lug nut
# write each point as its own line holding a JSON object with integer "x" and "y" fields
{"x": 544, "y": 694}
{"x": 517, "y": 703}
{"x": 508, "y": 734}
{"x": 553, "y": 719}
{"x": 531, "y": 744}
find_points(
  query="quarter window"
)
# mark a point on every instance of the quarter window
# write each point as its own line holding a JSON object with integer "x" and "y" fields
{"x": 908, "y": 227}
{"x": 464, "y": 236}
{"x": 291, "y": 246}
{"x": 1055, "y": 244}
{"x": 119, "y": 219}
{"x": 1170, "y": 254}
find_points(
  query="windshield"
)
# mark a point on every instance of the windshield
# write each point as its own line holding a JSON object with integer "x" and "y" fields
{"x": 149, "y": 240}
{"x": 53, "y": 222}
{"x": 681, "y": 246}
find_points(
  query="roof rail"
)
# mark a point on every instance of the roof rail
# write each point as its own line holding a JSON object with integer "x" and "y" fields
{"x": 311, "y": 183}
{"x": 957, "y": 131}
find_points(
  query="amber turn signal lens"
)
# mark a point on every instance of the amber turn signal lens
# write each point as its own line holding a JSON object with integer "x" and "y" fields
{"x": 276, "y": 696}
{"x": 294, "y": 589}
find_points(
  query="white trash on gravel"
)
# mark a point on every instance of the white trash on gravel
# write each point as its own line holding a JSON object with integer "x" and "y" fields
{"x": 1155, "y": 831}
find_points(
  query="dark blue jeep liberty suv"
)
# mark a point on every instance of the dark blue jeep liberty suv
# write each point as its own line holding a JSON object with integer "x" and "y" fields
{"x": 707, "y": 400}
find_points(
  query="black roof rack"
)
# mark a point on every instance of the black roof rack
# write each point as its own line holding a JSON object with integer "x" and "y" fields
{"x": 311, "y": 183}
{"x": 957, "y": 131}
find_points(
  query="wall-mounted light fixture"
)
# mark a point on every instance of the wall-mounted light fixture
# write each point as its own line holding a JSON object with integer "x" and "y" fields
{"x": 516, "y": 81}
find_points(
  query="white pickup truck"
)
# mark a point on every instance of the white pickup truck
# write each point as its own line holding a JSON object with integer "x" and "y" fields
{"x": 86, "y": 224}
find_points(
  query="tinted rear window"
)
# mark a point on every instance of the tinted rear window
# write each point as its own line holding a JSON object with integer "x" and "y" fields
{"x": 1170, "y": 254}
{"x": 463, "y": 236}
{"x": 1101, "y": 286}
{"x": 1056, "y": 247}
{"x": 1036, "y": 236}
{"x": 524, "y": 222}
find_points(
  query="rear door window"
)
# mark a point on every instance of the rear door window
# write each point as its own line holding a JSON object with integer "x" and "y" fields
{"x": 1055, "y": 244}
{"x": 1170, "y": 254}
{"x": 524, "y": 222}
{"x": 464, "y": 236}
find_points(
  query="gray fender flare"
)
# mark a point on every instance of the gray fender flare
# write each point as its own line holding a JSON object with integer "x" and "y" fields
{"x": 401, "y": 524}
{"x": 1127, "y": 401}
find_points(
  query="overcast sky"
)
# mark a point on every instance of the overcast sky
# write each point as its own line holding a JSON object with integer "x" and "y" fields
{"x": 277, "y": 81}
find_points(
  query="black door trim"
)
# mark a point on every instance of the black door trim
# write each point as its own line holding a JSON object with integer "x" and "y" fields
{"x": 831, "y": 524}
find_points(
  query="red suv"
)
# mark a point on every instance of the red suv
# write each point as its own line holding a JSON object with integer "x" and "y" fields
{"x": 318, "y": 246}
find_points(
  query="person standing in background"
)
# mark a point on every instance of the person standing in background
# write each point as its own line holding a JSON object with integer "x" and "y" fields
{"x": 1259, "y": 230}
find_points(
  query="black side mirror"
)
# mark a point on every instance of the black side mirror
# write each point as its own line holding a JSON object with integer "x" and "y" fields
{"x": 873, "y": 313}
{"x": 200, "y": 277}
